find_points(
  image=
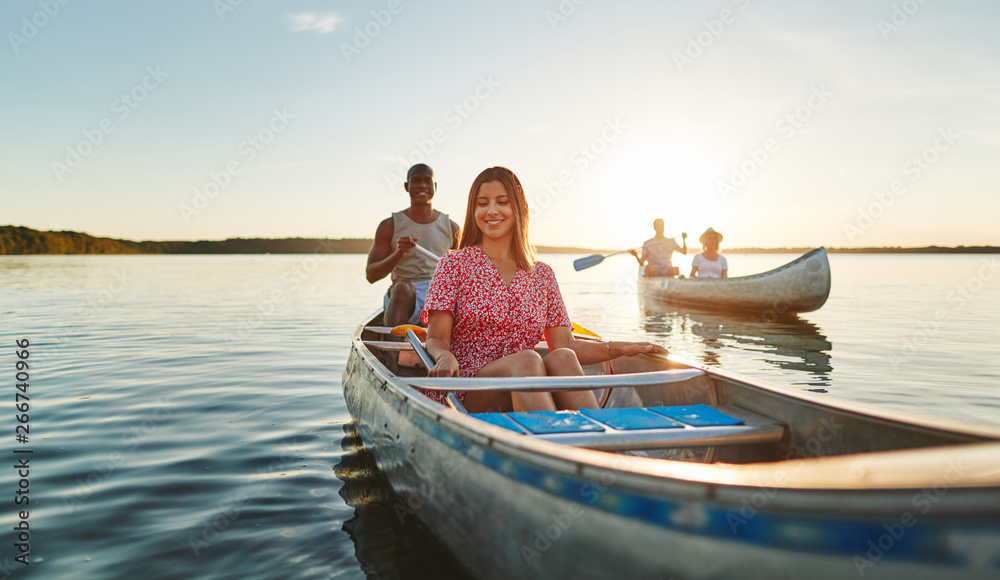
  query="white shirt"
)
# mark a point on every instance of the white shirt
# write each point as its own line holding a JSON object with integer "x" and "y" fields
{"x": 709, "y": 268}
{"x": 659, "y": 253}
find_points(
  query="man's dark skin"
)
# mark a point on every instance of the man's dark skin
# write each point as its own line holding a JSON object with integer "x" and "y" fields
{"x": 383, "y": 257}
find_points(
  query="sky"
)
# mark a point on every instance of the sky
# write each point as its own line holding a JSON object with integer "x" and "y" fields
{"x": 779, "y": 123}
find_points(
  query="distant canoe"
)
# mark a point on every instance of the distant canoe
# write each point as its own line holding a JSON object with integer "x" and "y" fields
{"x": 801, "y": 285}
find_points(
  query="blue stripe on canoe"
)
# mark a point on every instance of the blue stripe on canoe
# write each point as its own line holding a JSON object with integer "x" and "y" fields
{"x": 697, "y": 415}
{"x": 744, "y": 523}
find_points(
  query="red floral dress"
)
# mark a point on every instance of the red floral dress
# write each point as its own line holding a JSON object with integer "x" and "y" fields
{"x": 491, "y": 319}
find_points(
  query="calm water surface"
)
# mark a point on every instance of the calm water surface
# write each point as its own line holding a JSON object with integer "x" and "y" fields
{"x": 187, "y": 419}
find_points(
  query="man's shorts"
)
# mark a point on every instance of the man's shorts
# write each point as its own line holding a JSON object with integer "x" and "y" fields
{"x": 421, "y": 287}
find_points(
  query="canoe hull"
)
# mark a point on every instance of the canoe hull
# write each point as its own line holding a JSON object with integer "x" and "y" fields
{"x": 802, "y": 285}
{"x": 510, "y": 507}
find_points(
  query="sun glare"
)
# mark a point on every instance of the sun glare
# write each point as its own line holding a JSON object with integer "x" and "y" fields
{"x": 667, "y": 180}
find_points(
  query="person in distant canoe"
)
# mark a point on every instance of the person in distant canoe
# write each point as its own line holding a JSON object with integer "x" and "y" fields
{"x": 491, "y": 302}
{"x": 393, "y": 253}
{"x": 657, "y": 253}
{"x": 710, "y": 263}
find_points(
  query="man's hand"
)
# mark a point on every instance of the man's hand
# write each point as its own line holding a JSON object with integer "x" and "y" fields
{"x": 684, "y": 235}
{"x": 405, "y": 244}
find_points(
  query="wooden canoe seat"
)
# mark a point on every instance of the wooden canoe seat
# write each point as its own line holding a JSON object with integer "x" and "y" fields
{"x": 642, "y": 428}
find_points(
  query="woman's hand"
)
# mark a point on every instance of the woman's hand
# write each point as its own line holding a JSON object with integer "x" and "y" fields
{"x": 439, "y": 344}
{"x": 446, "y": 366}
{"x": 634, "y": 348}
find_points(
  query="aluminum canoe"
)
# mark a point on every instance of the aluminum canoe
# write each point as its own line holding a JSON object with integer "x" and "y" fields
{"x": 802, "y": 285}
{"x": 824, "y": 489}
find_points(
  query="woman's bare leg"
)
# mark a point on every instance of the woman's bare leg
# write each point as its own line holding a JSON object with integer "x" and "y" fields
{"x": 526, "y": 363}
{"x": 562, "y": 362}
{"x": 488, "y": 402}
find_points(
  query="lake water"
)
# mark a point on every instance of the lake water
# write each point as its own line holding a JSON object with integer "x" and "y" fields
{"x": 187, "y": 419}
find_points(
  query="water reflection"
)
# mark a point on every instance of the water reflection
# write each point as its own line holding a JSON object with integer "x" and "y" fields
{"x": 389, "y": 542}
{"x": 789, "y": 343}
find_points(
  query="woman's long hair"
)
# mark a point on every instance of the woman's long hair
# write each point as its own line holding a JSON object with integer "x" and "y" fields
{"x": 524, "y": 254}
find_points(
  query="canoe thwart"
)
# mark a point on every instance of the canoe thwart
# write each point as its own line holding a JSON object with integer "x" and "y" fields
{"x": 547, "y": 384}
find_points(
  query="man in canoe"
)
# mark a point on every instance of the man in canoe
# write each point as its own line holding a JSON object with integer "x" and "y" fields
{"x": 393, "y": 251}
{"x": 657, "y": 252}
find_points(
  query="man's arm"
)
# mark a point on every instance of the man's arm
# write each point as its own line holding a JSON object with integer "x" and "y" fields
{"x": 456, "y": 235}
{"x": 383, "y": 257}
{"x": 684, "y": 238}
{"x": 636, "y": 254}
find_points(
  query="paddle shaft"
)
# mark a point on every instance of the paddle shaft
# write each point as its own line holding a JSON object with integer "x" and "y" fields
{"x": 427, "y": 252}
{"x": 425, "y": 357}
{"x": 591, "y": 261}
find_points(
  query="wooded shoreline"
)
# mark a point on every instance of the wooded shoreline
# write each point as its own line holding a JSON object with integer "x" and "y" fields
{"x": 18, "y": 240}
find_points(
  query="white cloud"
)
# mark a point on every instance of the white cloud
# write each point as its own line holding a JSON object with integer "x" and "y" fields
{"x": 322, "y": 23}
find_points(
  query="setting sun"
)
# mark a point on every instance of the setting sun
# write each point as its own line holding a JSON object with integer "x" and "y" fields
{"x": 669, "y": 180}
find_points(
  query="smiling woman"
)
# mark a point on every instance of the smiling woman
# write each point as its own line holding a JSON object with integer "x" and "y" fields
{"x": 490, "y": 303}
{"x": 669, "y": 180}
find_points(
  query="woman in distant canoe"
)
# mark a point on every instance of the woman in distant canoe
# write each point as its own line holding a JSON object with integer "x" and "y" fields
{"x": 491, "y": 302}
{"x": 710, "y": 263}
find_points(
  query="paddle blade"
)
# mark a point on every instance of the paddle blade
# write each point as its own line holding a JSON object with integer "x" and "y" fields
{"x": 577, "y": 329}
{"x": 587, "y": 262}
{"x": 400, "y": 330}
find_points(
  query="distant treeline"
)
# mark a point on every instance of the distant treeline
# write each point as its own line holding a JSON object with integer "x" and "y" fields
{"x": 892, "y": 250}
{"x": 21, "y": 240}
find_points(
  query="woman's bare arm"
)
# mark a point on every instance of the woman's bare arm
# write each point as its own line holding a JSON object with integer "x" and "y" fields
{"x": 439, "y": 344}
{"x": 595, "y": 351}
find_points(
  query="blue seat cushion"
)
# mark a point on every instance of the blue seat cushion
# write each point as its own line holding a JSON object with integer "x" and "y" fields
{"x": 632, "y": 418}
{"x": 697, "y": 415}
{"x": 544, "y": 422}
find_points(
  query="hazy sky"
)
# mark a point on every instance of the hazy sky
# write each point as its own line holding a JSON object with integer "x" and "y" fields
{"x": 777, "y": 122}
